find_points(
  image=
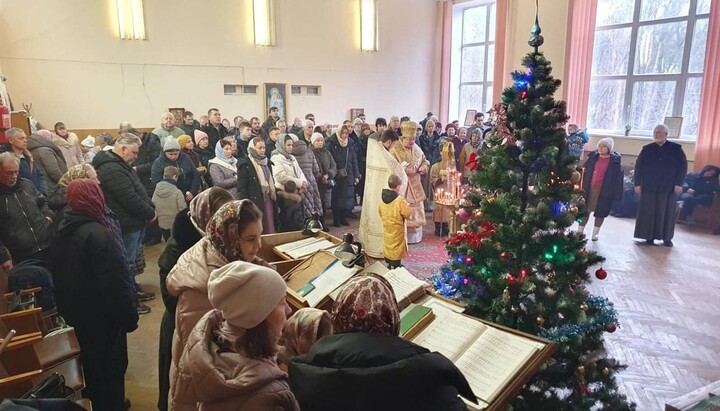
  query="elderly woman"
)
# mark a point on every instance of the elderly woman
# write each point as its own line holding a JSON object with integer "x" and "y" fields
{"x": 69, "y": 145}
{"x": 344, "y": 153}
{"x": 365, "y": 365}
{"x": 416, "y": 166}
{"x": 188, "y": 228}
{"x": 233, "y": 234}
{"x": 94, "y": 293}
{"x": 47, "y": 156}
{"x": 223, "y": 168}
{"x": 285, "y": 166}
{"x": 312, "y": 201}
{"x": 57, "y": 198}
{"x": 328, "y": 169}
{"x": 229, "y": 360}
{"x": 602, "y": 185}
{"x": 256, "y": 183}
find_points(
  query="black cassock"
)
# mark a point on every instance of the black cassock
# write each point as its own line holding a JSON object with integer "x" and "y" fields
{"x": 658, "y": 169}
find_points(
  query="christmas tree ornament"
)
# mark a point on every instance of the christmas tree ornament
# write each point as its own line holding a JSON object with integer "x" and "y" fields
{"x": 551, "y": 276}
{"x": 611, "y": 328}
{"x": 606, "y": 371}
{"x": 575, "y": 177}
{"x": 581, "y": 370}
{"x": 505, "y": 255}
{"x": 573, "y": 210}
{"x": 584, "y": 307}
{"x": 514, "y": 309}
{"x": 540, "y": 320}
{"x": 506, "y": 295}
{"x": 582, "y": 389}
{"x": 601, "y": 274}
{"x": 550, "y": 292}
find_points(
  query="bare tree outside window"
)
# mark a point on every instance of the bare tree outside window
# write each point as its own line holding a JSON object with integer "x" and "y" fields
{"x": 648, "y": 61}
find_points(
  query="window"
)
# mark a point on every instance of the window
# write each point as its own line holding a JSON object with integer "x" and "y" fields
{"x": 473, "y": 54}
{"x": 648, "y": 60}
{"x": 239, "y": 89}
{"x": 305, "y": 90}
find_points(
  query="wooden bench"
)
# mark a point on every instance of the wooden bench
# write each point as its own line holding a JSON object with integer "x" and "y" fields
{"x": 688, "y": 400}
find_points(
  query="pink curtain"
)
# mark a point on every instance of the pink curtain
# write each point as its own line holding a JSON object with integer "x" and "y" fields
{"x": 707, "y": 149}
{"x": 578, "y": 64}
{"x": 445, "y": 57}
{"x": 501, "y": 74}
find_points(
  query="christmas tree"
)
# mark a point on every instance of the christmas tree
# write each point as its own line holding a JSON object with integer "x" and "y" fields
{"x": 516, "y": 264}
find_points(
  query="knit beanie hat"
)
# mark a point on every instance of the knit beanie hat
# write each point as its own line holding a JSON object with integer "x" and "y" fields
{"x": 245, "y": 293}
{"x": 89, "y": 142}
{"x": 183, "y": 140}
{"x": 199, "y": 135}
{"x": 171, "y": 144}
{"x": 315, "y": 137}
{"x": 608, "y": 142}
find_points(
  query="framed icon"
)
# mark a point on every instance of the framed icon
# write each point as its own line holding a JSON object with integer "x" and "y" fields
{"x": 276, "y": 96}
{"x": 470, "y": 117}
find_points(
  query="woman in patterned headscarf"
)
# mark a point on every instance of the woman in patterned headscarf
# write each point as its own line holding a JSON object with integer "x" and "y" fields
{"x": 366, "y": 365}
{"x": 94, "y": 293}
{"x": 187, "y": 230}
{"x": 301, "y": 331}
{"x": 233, "y": 234}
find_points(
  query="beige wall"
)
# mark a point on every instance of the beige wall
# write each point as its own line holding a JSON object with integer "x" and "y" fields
{"x": 553, "y": 22}
{"x": 66, "y": 59}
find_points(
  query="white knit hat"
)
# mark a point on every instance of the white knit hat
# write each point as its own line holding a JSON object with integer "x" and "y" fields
{"x": 315, "y": 137}
{"x": 608, "y": 142}
{"x": 89, "y": 142}
{"x": 245, "y": 293}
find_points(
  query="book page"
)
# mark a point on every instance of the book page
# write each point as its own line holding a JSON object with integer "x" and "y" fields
{"x": 284, "y": 248}
{"x": 490, "y": 362}
{"x": 320, "y": 244}
{"x": 450, "y": 334}
{"x": 440, "y": 306}
{"x": 333, "y": 277}
{"x": 403, "y": 283}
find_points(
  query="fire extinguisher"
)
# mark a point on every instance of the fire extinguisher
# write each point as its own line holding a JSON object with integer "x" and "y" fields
{"x": 4, "y": 123}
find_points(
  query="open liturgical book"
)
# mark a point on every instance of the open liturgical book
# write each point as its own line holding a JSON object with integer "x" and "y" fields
{"x": 497, "y": 361}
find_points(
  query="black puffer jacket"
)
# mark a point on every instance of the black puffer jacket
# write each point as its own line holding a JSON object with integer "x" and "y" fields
{"x": 124, "y": 194}
{"x": 92, "y": 283}
{"x": 24, "y": 230}
{"x": 360, "y": 371}
{"x": 148, "y": 152}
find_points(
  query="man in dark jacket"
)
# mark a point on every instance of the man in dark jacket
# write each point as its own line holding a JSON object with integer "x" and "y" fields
{"x": 18, "y": 145}
{"x": 25, "y": 219}
{"x": 189, "y": 179}
{"x": 270, "y": 122}
{"x": 659, "y": 174}
{"x": 189, "y": 123}
{"x": 127, "y": 198}
{"x": 149, "y": 151}
{"x": 214, "y": 129}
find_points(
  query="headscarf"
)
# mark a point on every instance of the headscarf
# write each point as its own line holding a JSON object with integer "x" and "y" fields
{"x": 200, "y": 212}
{"x": 280, "y": 148}
{"x": 267, "y": 183}
{"x": 46, "y": 134}
{"x": 479, "y": 141}
{"x": 220, "y": 155}
{"x": 199, "y": 135}
{"x": 262, "y": 160}
{"x": 366, "y": 304}
{"x": 301, "y": 331}
{"x": 75, "y": 172}
{"x": 223, "y": 230}
{"x": 85, "y": 196}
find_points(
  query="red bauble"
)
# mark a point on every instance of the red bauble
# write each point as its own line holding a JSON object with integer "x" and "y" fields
{"x": 464, "y": 214}
{"x": 582, "y": 389}
{"x": 601, "y": 274}
{"x": 505, "y": 255}
{"x": 611, "y": 327}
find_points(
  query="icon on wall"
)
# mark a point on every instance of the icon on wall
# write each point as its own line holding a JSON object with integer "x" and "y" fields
{"x": 276, "y": 96}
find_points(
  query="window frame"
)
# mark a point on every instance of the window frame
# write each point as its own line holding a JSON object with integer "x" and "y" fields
{"x": 631, "y": 79}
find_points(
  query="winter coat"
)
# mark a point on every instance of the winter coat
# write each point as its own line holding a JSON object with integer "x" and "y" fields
{"x": 284, "y": 169}
{"x": 189, "y": 178}
{"x": 28, "y": 169}
{"x": 310, "y": 168}
{"x": 248, "y": 183}
{"x": 70, "y": 149}
{"x": 270, "y": 146}
{"x": 394, "y": 210}
{"x": 148, "y": 152}
{"x": 223, "y": 380}
{"x": 361, "y": 371}
{"x": 701, "y": 184}
{"x": 214, "y": 134}
{"x": 612, "y": 186}
{"x": 345, "y": 159}
{"x": 660, "y": 168}
{"x": 124, "y": 194}
{"x": 48, "y": 157}
{"x": 204, "y": 156}
{"x": 169, "y": 201}
{"x": 325, "y": 161}
{"x": 188, "y": 282}
{"x": 190, "y": 129}
{"x": 24, "y": 230}
{"x": 224, "y": 175}
{"x": 163, "y": 134}
{"x": 92, "y": 283}
{"x": 291, "y": 211}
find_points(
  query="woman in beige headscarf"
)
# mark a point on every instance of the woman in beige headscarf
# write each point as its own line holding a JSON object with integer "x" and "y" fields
{"x": 412, "y": 158}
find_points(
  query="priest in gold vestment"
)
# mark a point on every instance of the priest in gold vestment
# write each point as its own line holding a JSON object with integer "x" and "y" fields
{"x": 412, "y": 158}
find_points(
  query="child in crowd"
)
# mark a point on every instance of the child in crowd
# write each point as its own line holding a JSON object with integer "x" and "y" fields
{"x": 394, "y": 210}
{"x": 576, "y": 141}
{"x": 168, "y": 200}
{"x": 290, "y": 204}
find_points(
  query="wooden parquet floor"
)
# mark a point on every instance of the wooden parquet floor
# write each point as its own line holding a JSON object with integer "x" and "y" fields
{"x": 668, "y": 300}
